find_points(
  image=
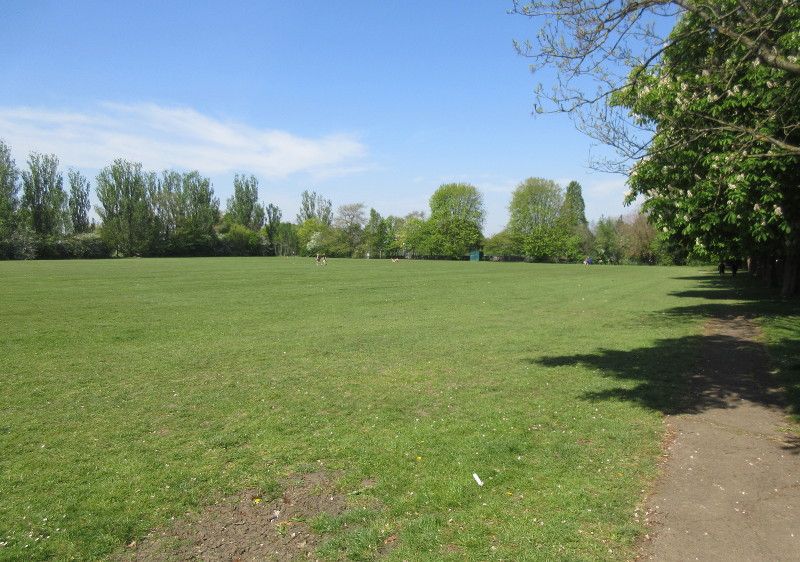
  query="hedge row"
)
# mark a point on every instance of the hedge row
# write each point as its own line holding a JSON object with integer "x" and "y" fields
{"x": 28, "y": 246}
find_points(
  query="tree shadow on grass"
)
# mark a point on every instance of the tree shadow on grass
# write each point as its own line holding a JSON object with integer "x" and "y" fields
{"x": 714, "y": 288}
{"x": 757, "y": 302}
{"x": 660, "y": 374}
{"x": 688, "y": 375}
{"x": 718, "y": 370}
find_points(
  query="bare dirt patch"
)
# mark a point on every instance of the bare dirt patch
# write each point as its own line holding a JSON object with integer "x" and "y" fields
{"x": 731, "y": 484}
{"x": 249, "y": 527}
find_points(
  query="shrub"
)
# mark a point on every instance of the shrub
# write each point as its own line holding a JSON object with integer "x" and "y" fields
{"x": 241, "y": 241}
{"x": 188, "y": 243}
{"x": 24, "y": 245}
{"x": 88, "y": 246}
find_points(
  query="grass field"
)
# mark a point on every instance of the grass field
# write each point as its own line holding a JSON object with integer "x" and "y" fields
{"x": 132, "y": 391}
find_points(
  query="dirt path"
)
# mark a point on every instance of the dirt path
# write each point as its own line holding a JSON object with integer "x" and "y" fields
{"x": 731, "y": 488}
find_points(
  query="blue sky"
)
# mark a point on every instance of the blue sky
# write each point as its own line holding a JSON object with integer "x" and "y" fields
{"x": 361, "y": 101}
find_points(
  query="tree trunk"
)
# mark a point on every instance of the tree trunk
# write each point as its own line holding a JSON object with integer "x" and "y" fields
{"x": 769, "y": 271}
{"x": 762, "y": 268}
{"x": 791, "y": 265}
{"x": 791, "y": 268}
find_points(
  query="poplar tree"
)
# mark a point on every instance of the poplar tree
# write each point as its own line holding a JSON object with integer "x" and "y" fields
{"x": 272, "y": 226}
{"x": 243, "y": 207}
{"x": 124, "y": 209}
{"x": 44, "y": 200}
{"x": 315, "y": 206}
{"x": 79, "y": 204}
{"x": 577, "y": 236}
{"x": 9, "y": 187}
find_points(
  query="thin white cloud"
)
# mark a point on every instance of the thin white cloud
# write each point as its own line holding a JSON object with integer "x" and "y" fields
{"x": 614, "y": 187}
{"x": 605, "y": 198}
{"x": 175, "y": 138}
{"x": 503, "y": 187}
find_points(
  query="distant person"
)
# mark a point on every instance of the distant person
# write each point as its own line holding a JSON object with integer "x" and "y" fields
{"x": 324, "y": 259}
{"x": 734, "y": 268}
{"x": 317, "y": 258}
{"x": 721, "y": 268}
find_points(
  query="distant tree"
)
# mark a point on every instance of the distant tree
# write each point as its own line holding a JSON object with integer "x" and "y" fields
{"x": 200, "y": 206}
{"x": 79, "y": 204}
{"x": 185, "y": 212}
{"x": 639, "y": 241}
{"x": 376, "y": 234}
{"x": 44, "y": 200}
{"x": 460, "y": 200}
{"x": 314, "y": 236}
{"x": 271, "y": 226}
{"x": 286, "y": 240}
{"x": 241, "y": 241}
{"x": 534, "y": 223}
{"x": 393, "y": 225}
{"x": 574, "y": 209}
{"x": 124, "y": 209}
{"x": 167, "y": 203}
{"x": 457, "y": 218}
{"x": 413, "y": 235}
{"x": 454, "y": 237}
{"x": 155, "y": 240}
{"x": 501, "y": 244}
{"x": 607, "y": 237}
{"x": 198, "y": 213}
{"x": 9, "y": 203}
{"x": 636, "y": 238}
{"x": 313, "y": 206}
{"x": 243, "y": 207}
{"x": 577, "y": 236}
{"x": 350, "y": 221}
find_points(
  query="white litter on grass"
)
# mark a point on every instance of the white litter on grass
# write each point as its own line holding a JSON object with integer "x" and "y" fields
{"x": 477, "y": 479}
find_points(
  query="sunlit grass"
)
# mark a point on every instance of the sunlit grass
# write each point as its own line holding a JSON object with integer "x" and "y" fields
{"x": 135, "y": 390}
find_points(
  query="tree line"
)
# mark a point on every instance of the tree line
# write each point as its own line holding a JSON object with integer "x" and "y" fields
{"x": 142, "y": 213}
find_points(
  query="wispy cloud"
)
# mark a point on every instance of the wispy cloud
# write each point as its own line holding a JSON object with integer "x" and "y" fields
{"x": 503, "y": 187}
{"x": 612, "y": 188}
{"x": 175, "y": 138}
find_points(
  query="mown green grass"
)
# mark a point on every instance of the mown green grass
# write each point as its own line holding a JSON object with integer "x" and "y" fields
{"x": 134, "y": 390}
